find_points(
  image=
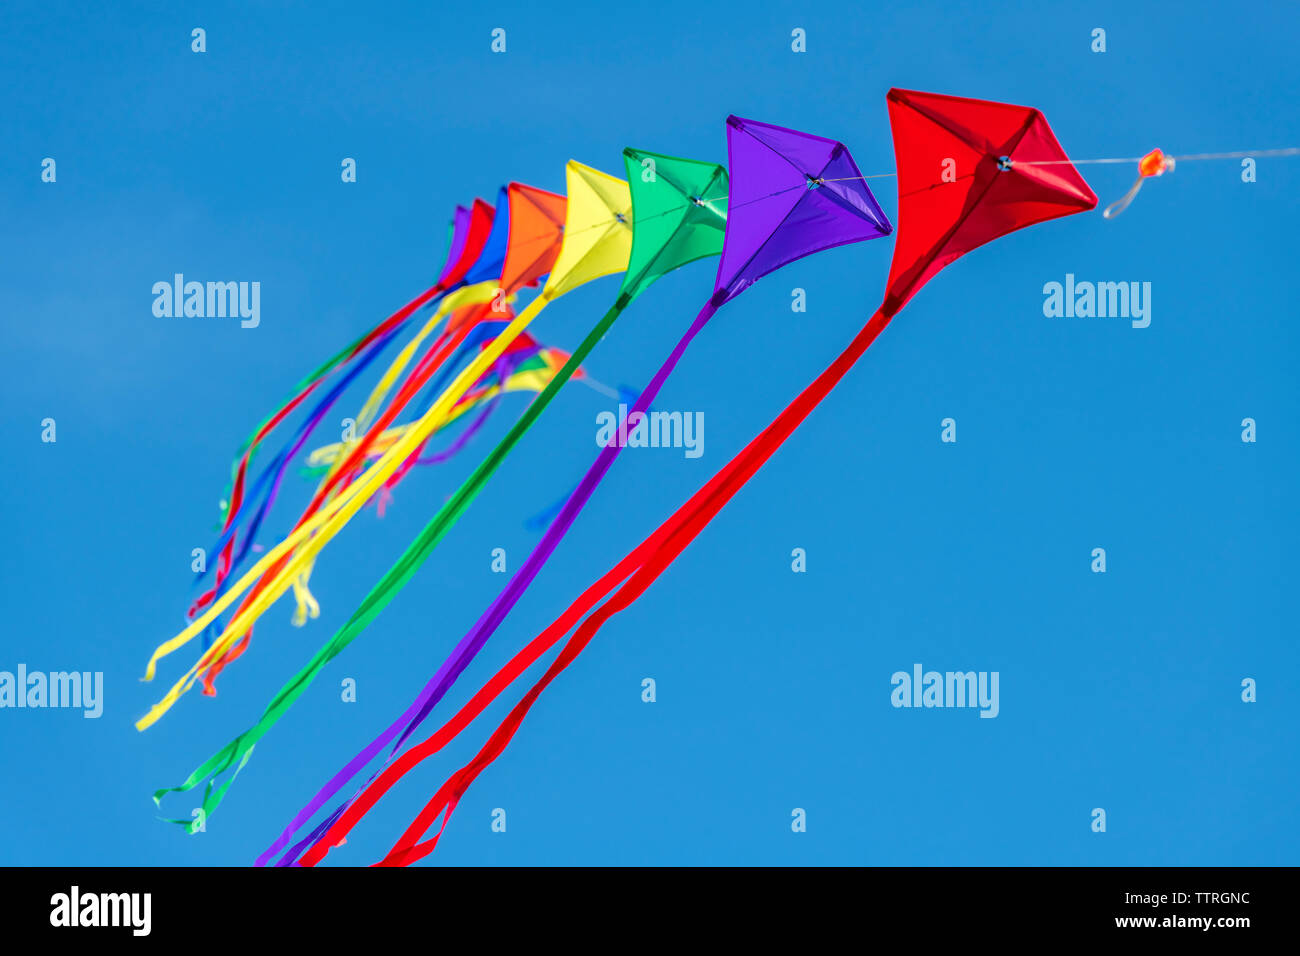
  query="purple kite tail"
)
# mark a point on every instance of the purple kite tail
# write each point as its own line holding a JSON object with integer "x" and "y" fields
{"x": 626, "y": 396}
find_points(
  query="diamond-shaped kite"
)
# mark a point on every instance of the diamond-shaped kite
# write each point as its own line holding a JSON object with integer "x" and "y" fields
{"x": 680, "y": 208}
{"x": 487, "y": 265}
{"x": 470, "y": 231}
{"x": 597, "y": 230}
{"x": 970, "y": 171}
{"x": 792, "y": 194}
{"x": 537, "y": 224}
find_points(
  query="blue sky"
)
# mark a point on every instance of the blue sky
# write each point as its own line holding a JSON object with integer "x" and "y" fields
{"x": 1118, "y": 690}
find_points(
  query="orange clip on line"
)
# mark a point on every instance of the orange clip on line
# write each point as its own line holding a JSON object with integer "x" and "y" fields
{"x": 1154, "y": 163}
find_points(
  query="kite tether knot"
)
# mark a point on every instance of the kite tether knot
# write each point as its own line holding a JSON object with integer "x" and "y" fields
{"x": 1154, "y": 163}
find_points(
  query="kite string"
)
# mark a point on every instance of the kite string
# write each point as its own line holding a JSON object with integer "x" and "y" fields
{"x": 1115, "y": 208}
{"x": 1186, "y": 158}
